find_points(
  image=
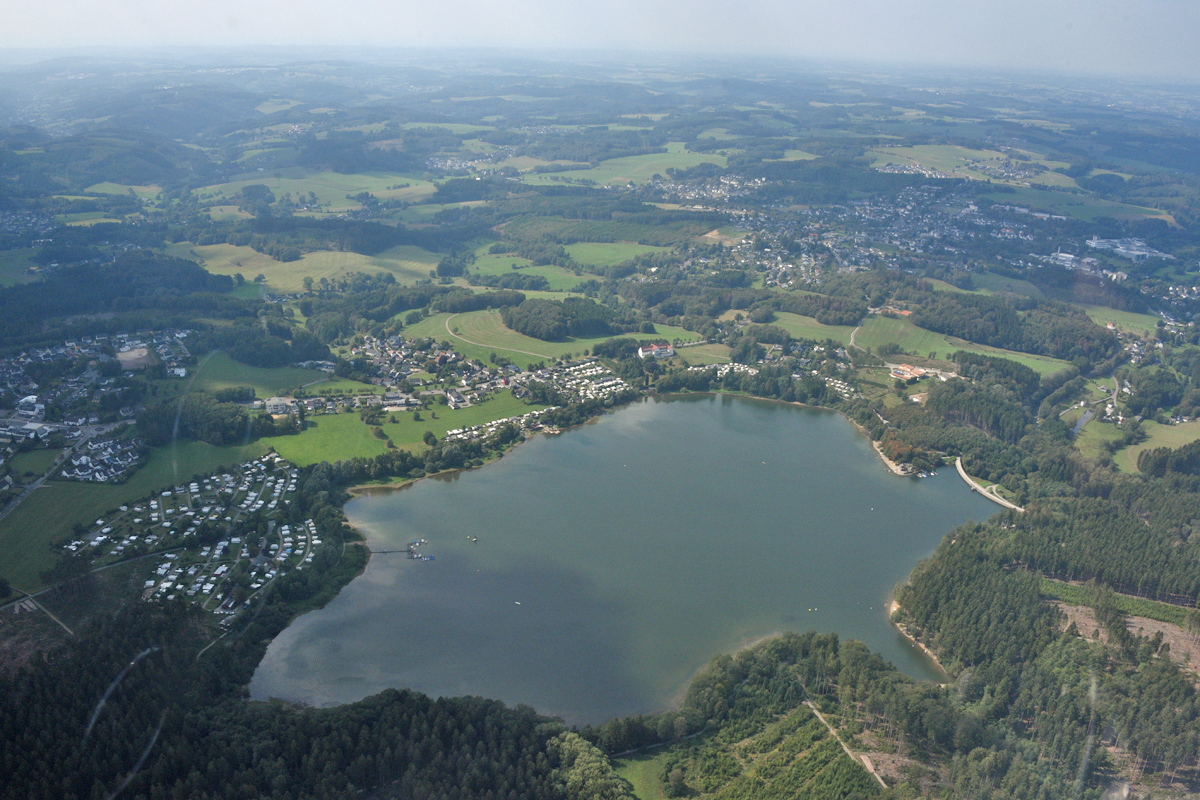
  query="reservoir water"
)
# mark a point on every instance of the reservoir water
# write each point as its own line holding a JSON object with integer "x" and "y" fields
{"x": 616, "y": 559}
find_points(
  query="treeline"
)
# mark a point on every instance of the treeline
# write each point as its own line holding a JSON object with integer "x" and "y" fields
{"x": 199, "y": 416}
{"x": 1161, "y": 460}
{"x": 1021, "y": 324}
{"x": 580, "y": 317}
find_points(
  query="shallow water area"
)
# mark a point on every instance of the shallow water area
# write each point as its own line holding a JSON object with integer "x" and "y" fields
{"x": 616, "y": 559}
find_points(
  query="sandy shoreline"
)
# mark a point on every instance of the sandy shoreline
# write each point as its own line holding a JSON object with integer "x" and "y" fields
{"x": 892, "y": 609}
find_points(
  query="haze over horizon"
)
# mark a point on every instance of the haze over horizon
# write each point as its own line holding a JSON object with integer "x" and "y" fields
{"x": 1156, "y": 38}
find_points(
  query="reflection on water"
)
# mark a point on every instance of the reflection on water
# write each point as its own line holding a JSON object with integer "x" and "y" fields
{"x": 615, "y": 560}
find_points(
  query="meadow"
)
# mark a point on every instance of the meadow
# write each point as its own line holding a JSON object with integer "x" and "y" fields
{"x": 631, "y": 169}
{"x": 28, "y": 534}
{"x": 479, "y": 333}
{"x": 501, "y": 264}
{"x": 406, "y": 262}
{"x": 879, "y": 330}
{"x": 1081, "y": 207}
{"x": 219, "y": 371}
{"x": 1125, "y": 321}
{"x": 331, "y": 437}
{"x": 14, "y": 265}
{"x": 952, "y": 160}
{"x": 802, "y": 327}
{"x": 330, "y": 188}
{"x": 607, "y": 254}
{"x": 1173, "y": 436}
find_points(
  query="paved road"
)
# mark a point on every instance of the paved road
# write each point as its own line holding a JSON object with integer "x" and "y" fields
{"x": 975, "y": 487}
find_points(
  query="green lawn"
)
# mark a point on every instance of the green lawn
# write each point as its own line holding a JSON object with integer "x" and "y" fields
{"x": 1094, "y": 435}
{"x": 802, "y": 327}
{"x": 48, "y": 515}
{"x": 632, "y": 169}
{"x": 407, "y": 263}
{"x": 704, "y": 354}
{"x": 331, "y": 437}
{"x": 1125, "y": 321}
{"x": 501, "y": 264}
{"x": 596, "y": 254}
{"x": 219, "y": 371}
{"x": 35, "y": 461}
{"x": 477, "y": 334}
{"x": 1173, "y": 436}
{"x": 330, "y": 188}
{"x": 879, "y": 330}
{"x": 14, "y": 265}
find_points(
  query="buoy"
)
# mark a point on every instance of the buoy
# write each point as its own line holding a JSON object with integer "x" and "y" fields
{"x": 518, "y": 602}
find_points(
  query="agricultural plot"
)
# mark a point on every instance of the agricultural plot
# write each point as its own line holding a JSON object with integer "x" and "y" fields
{"x": 14, "y": 267}
{"x": 801, "y": 327}
{"x": 328, "y": 437}
{"x": 879, "y": 330}
{"x": 407, "y": 263}
{"x": 1173, "y": 436}
{"x": 501, "y": 264}
{"x": 595, "y": 254}
{"x": 1142, "y": 325}
{"x": 704, "y": 354}
{"x": 1081, "y": 207}
{"x": 34, "y": 463}
{"x": 330, "y": 188}
{"x": 49, "y": 514}
{"x": 632, "y": 169}
{"x": 1094, "y": 436}
{"x": 980, "y": 165}
{"x": 219, "y": 371}
{"x": 121, "y": 188}
{"x": 991, "y": 283}
{"x": 478, "y": 334}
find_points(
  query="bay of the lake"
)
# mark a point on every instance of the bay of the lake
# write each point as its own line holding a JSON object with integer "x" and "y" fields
{"x": 616, "y": 559}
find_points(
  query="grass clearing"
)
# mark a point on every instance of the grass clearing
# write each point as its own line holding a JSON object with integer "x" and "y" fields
{"x": 607, "y": 254}
{"x": 15, "y": 265}
{"x": 802, "y": 327}
{"x": 407, "y": 263}
{"x": 1173, "y": 436}
{"x": 559, "y": 279}
{"x": 632, "y": 169}
{"x": 1094, "y": 435}
{"x": 219, "y": 371}
{"x": 108, "y": 187}
{"x": 642, "y": 770}
{"x": 704, "y": 354}
{"x": 28, "y": 534}
{"x": 35, "y": 462}
{"x": 480, "y": 333}
{"x": 1143, "y": 325}
{"x": 880, "y": 330}
{"x": 991, "y": 283}
{"x": 330, "y": 188}
{"x": 1074, "y": 595}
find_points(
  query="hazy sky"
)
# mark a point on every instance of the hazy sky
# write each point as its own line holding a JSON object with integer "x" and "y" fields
{"x": 1159, "y": 37}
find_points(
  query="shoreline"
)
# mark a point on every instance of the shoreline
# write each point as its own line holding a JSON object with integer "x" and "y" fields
{"x": 893, "y": 607}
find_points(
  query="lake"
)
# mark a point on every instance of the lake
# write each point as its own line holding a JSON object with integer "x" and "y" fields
{"x": 616, "y": 559}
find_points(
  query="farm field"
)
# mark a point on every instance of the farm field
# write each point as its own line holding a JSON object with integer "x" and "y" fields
{"x": 1125, "y": 321}
{"x": 13, "y": 266}
{"x": 1093, "y": 436}
{"x": 330, "y": 188}
{"x": 704, "y": 354}
{"x": 50, "y": 513}
{"x": 407, "y": 263}
{"x": 632, "y": 169}
{"x": 1173, "y": 436}
{"x": 607, "y": 254}
{"x": 479, "y": 333}
{"x": 802, "y": 327}
{"x": 501, "y": 264}
{"x": 35, "y": 461}
{"x": 121, "y": 188}
{"x": 991, "y": 283}
{"x": 331, "y": 437}
{"x": 219, "y": 371}
{"x": 952, "y": 160}
{"x": 879, "y": 330}
{"x": 1080, "y": 207}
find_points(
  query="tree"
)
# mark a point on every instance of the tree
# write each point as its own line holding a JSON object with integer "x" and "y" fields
{"x": 429, "y": 438}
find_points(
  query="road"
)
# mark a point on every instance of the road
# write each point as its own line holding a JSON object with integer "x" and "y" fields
{"x": 975, "y": 487}
{"x": 88, "y": 433}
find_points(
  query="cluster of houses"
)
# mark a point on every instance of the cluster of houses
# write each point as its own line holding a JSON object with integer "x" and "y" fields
{"x": 103, "y": 461}
{"x": 528, "y": 422}
{"x": 578, "y": 381}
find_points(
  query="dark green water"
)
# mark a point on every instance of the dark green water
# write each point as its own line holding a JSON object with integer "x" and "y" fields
{"x": 615, "y": 560}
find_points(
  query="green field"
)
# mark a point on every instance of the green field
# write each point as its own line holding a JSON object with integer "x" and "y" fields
{"x": 1093, "y": 436}
{"x": 121, "y": 188}
{"x": 879, "y": 330}
{"x": 801, "y": 327}
{"x": 35, "y": 461}
{"x": 479, "y": 333}
{"x": 330, "y": 188}
{"x": 219, "y": 371}
{"x": 501, "y": 264}
{"x": 48, "y": 515}
{"x": 1173, "y": 436}
{"x": 704, "y": 354}
{"x": 1080, "y": 207}
{"x": 331, "y": 437}
{"x": 632, "y": 169}
{"x": 991, "y": 283}
{"x": 605, "y": 255}
{"x": 14, "y": 265}
{"x": 952, "y": 160}
{"x": 642, "y": 770}
{"x": 407, "y": 263}
{"x": 1143, "y": 325}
